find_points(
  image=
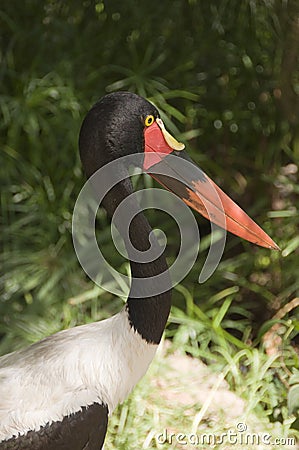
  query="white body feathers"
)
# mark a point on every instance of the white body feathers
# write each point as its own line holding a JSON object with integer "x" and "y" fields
{"x": 98, "y": 362}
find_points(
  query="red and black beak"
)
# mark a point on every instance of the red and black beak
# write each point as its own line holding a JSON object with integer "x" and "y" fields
{"x": 181, "y": 176}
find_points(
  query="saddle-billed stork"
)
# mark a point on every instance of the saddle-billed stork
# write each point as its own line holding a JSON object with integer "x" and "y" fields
{"x": 57, "y": 393}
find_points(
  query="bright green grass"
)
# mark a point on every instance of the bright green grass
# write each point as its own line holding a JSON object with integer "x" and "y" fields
{"x": 152, "y": 409}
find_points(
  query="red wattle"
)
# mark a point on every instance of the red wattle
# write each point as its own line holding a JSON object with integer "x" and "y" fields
{"x": 154, "y": 142}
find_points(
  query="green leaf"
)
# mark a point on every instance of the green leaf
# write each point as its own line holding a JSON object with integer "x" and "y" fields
{"x": 293, "y": 399}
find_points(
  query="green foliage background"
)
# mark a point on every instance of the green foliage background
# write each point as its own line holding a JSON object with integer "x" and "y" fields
{"x": 224, "y": 74}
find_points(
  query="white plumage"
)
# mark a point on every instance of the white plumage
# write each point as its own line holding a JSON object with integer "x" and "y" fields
{"x": 98, "y": 362}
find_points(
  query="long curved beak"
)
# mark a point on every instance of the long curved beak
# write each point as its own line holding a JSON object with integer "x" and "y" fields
{"x": 181, "y": 176}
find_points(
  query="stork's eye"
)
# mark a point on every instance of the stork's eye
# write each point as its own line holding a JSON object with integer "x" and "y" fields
{"x": 149, "y": 120}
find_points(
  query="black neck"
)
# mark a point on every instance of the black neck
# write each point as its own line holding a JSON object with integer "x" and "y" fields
{"x": 148, "y": 313}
